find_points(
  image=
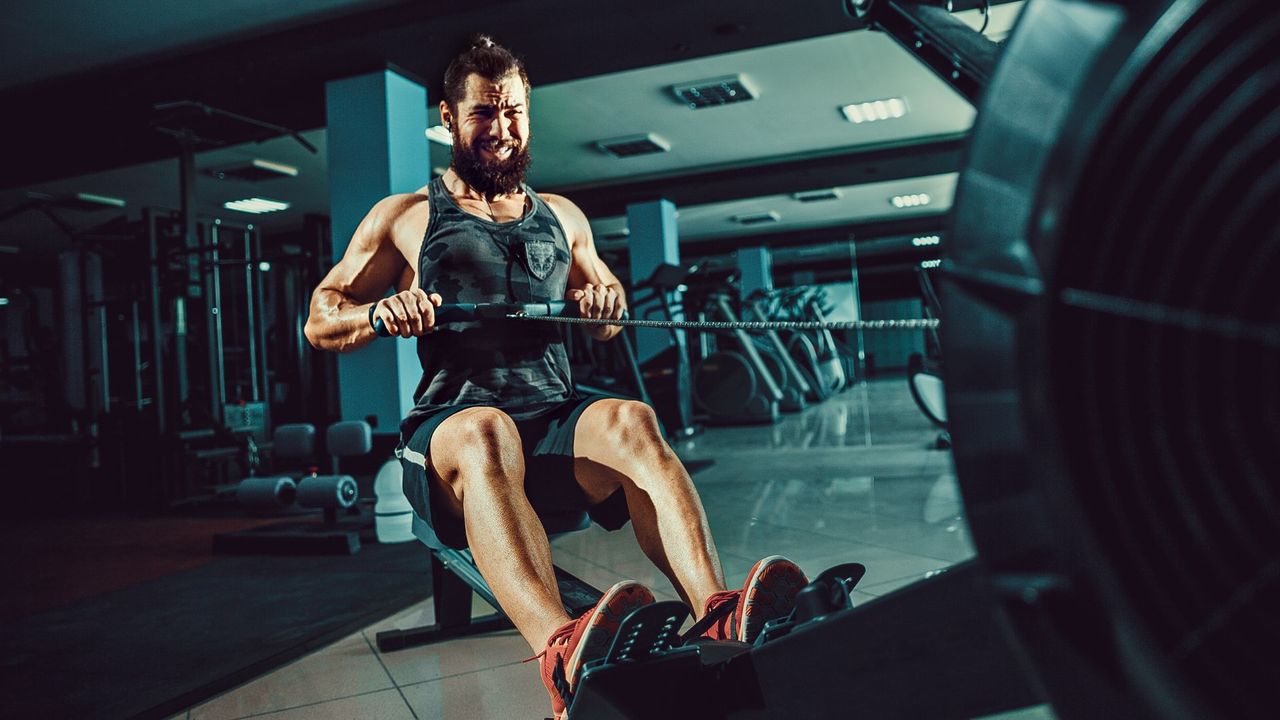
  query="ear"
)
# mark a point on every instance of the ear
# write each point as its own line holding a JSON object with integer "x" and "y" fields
{"x": 446, "y": 116}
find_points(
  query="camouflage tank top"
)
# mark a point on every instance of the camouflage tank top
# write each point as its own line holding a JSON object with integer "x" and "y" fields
{"x": 520, "y": 367}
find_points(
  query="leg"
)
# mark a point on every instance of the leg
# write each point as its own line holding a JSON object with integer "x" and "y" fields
{"x": 477, "y": 467}
{"x": 618, "y": 444}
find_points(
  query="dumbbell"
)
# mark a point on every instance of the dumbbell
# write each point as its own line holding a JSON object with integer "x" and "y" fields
{"x": 267, "y": 493}
{"x": 292, "y": 442}
{"x": 327, "y": 491}
{"x": 337, "y": 492}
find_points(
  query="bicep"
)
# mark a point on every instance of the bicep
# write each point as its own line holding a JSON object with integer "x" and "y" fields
{"x": 372, "y": 262}
{"x": 587, "y": 265}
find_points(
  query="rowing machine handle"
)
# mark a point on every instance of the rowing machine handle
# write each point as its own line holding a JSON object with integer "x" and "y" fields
{"x": 471, "y": 312}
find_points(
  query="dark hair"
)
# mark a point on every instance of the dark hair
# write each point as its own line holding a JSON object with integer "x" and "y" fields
{"x": 485, "y": 58}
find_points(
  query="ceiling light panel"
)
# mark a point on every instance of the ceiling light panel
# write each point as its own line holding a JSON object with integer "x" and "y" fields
{"x": 910, "y": 201}
{"x": 633, "y": 145}
{"x": 757, "y": 218}
{"x": 875, "y": 110}
{"x": 711, "y": 93}
{"x": 256, "y": 206}
{"x": 817, "y": 195}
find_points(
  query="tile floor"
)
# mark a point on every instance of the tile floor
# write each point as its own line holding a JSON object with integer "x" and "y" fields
{"x": 853, "y": 479}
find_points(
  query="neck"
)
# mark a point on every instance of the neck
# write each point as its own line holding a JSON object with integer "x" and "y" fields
{"x": 460, "y": 189}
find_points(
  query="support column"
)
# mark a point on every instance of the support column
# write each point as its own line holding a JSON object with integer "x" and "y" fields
{"x": 653, "y": 240}
{"x": 376, "y": 148}
{"x": 756, "y": 266}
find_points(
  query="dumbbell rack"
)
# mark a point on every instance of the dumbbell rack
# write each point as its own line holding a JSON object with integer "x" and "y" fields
{"x": 332, "y": 493}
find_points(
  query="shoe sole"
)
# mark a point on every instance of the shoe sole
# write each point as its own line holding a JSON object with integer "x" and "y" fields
{"x": 771, "y": 593}
{"x": 607, "y": 616}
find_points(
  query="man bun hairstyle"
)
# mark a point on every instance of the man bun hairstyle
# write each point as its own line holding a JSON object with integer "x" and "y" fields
{"x": 485, "y": 58}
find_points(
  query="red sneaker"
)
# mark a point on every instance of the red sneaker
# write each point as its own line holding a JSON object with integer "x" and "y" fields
{"x": 580, "y": 641}
{"x": 769, "y": 593}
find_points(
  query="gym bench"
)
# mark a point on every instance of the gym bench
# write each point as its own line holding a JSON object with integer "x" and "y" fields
{"x": 455, "y": 578}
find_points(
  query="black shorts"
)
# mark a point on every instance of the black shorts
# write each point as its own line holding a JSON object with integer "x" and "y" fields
{"x": 548, "y": 481}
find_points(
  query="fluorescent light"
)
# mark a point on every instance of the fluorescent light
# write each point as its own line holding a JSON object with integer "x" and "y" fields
{"x": 275, "y": 167}
{"x": 99, "y": 200}
{"x": 910, "y": 201}
{"x": 930, "y": 264}
{"x": 4, "y": 301}
{"x": 926, "y": 240}
{"x": 438, "y": 134}
{"x": 264, "y": 266}
{"x": 256, "y": 206}
{"x": 874, "y": 110}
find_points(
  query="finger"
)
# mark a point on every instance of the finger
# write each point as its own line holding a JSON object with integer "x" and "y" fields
{"x": 428, "y": 312}
{"x": 382, "y": 312}
{"x": 602, "y": 297}
{"x": 422, "y": 303}
{"x": 615, "y": 304}
{"x": 619, "y": 308}
{"x": 411, "y": 315}
{"x": 436, "y": 299}
{"x": 603, "y": 302}
{"x": 402, "y": 315}
{"x": 415, "y": 303}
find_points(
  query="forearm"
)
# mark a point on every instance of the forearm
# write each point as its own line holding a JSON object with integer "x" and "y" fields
{"x": 338, "y": 323}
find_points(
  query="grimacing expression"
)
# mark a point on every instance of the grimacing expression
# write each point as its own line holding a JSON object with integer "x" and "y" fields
{"x": 490, "y": 131}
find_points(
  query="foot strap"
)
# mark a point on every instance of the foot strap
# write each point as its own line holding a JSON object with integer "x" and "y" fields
{"x": 711, "y": 618}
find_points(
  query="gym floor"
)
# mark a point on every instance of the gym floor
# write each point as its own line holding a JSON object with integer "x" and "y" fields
{"x": 852, "y": 479}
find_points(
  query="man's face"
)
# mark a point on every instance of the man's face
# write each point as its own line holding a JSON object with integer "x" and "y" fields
{"x": 491, "y": 134}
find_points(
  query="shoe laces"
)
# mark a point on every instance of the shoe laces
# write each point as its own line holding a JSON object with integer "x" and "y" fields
{"x": 719, "y": 616}
{"x": 559, "y": 637}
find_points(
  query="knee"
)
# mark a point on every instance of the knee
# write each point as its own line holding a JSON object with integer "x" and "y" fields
{"x": 634, "y": 425}
{"x": 483, "y": 442}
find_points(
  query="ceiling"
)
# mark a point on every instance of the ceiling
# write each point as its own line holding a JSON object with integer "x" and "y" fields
{"x": 131, "y": 33}
{"x": 724, "y": 161}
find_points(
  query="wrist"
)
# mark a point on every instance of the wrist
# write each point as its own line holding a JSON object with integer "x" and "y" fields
{"x": 372, "y": 308}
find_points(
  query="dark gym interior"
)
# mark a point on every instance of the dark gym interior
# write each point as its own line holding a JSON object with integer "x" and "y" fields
{"x": 1015, "y": 416}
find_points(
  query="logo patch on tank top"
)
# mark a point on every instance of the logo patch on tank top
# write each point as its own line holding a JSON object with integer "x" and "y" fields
{"x": 540, "y": 257}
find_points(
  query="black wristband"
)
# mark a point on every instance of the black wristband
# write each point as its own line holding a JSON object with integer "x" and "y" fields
{"x": 371, "y": 309}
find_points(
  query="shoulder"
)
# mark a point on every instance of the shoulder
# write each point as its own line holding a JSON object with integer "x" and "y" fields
{"x": 394, "y": 206}
{"x": 402, "y": 212}
{"x": 394, "y": 220}
{"x": 570, "y": 215}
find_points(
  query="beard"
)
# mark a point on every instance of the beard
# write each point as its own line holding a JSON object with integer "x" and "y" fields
{"x": 490, "y": 177}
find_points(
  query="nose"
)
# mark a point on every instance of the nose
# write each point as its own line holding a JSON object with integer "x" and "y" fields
{"x": 499, "y": 130}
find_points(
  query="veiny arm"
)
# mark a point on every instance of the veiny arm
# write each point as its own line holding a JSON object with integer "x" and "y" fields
{"x": 588, "y": 273}
{"x": 339, "y": 317}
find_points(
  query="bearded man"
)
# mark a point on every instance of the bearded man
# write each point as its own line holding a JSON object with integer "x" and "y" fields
{"x": 497, "y": 433}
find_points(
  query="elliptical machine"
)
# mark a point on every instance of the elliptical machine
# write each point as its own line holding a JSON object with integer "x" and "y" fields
{"x": 924, "y": 372}
{"x": 817, "y": 352}
{"x": 667, "y": 374}
{"x": 737, "y": 382}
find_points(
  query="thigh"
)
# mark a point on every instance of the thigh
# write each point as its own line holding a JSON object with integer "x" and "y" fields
{"x": 430, "y": 450}
{"x": 453, "y": 446}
